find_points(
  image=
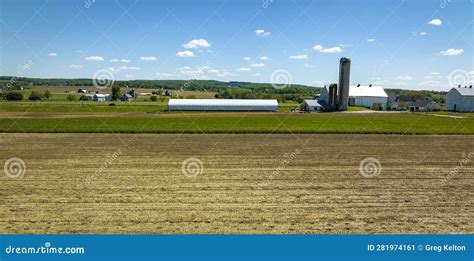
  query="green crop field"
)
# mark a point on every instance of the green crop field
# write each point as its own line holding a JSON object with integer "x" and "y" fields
{"x": 232, "y": 122}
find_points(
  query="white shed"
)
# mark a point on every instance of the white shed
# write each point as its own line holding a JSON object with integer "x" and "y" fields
{"x": 373, "y": 97}
{"x": 460, "y": 99}
{"x": 101, "y": 97}
{"x": 311, "y": 105}
{"x": 222, "y": 105}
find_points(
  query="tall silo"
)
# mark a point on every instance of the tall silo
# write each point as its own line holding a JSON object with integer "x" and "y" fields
{"x": 344, "y": 81}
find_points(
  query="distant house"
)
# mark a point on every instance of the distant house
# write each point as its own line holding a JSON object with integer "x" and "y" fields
{"x": 311, "y": 106}
{"x": 460, "y": 99}
{"x": 404, "y": 98}
{"x": 422, "y": 105}
{"x": 373, "y": 97}
{"x": 82, "y": 91}
{"x": 126, "y": 97}
{"x": 101, "y": 97}
{"x": 394, "y": 106}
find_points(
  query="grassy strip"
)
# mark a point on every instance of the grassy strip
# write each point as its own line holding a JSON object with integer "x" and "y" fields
{"x": 271, "y": 123}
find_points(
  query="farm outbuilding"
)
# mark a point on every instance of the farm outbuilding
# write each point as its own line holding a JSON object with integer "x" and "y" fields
{"x": 422, "y": 105}
{"x": 460, "y": 99}
{"x": 311, "y": 106}
{"x": 101, "y": 97}
{"x": 373, "y": 97}
{"x": 222, "y": 105}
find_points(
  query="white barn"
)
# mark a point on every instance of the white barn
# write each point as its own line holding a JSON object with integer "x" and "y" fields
{"x": 222, "y": 105}
{"x": 101, "y": 97}
{"x": 373, "y": 97}
{"x": 460, "y": 99}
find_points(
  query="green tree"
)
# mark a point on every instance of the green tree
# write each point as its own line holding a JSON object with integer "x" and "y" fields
{"x": 153, "y": 98}
{"x": 71, "y": 97}
{"x": 116, "y": 92}
{"x": 47, "y": 94}
{"x": 14, "y": 96}
{"x": 35, "y": 96}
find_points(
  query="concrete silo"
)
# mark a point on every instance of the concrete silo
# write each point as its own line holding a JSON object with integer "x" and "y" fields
{"x": 344, "y": 82}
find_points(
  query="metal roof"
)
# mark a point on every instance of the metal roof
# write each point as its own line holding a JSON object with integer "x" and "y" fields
{"x": 223, "y": 104}
{"x": 313, "y": 103}
{"x": 465, "y": 91}
{"x": 367, "y": 91}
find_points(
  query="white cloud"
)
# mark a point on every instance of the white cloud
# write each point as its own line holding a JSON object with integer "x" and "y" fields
{"x": 122, "y": 68}
{"x": 429, "y": 84}
{"x": 257, "y": 65}
{"x": 197, "y": 43}
{"x": 185, "y": 54}
{"x": 75, "y": 66}
{"x": 262, "y": 33}
{"x": 256, "y": 74}
{"x": 307, "y": 65}
{"x": 371, "y": 40}
{"x": 213, "y": 71}
{"x": 264, "y": 58}
{"x": 224, "y": 73}
{"x": 423, "y": 33}
{"x": 115, "y": 60}
{"x": 405, "y": 78}
{"x": 244, "y": 69}
{"x": 436, "y": 22}
{"x": 162, "y": 75}
{"x": 148, "y": 58}
{"x": 52, "y": 54}
{"x": 299, "y": 57}
{"x": 452, "y": 52}
{"x": 321, "y": 49}
{"x": 94, "y": 58}
{"x": 246, "y": 58}
{"x": 192, "y": 72}
{"x": 125, "y": 61}
{"x": 184, "y": 68}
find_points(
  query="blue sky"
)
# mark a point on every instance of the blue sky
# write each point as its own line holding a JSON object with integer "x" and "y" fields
{"x": 419, "y": 44}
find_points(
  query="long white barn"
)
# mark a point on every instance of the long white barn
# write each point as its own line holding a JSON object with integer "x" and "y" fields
{"x": 222, "y": 105}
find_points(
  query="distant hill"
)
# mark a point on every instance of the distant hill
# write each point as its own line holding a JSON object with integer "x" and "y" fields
{"x": 232, "y": 89}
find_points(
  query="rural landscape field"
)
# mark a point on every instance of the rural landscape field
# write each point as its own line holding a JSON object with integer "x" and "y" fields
{"x": 245, "y": 183}
{"x": 123, "y": 118}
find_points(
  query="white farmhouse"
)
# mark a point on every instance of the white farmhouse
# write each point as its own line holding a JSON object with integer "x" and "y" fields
{"x": 460, "y": 99}
{"x": 373, "y": 97}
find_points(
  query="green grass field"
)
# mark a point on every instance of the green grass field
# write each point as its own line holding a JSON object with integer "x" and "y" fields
{"x": 241, "y": 123}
